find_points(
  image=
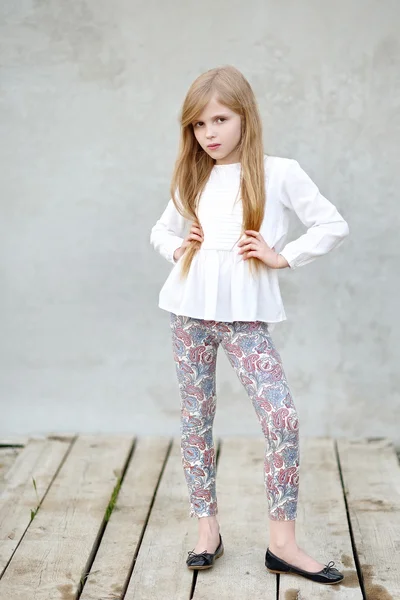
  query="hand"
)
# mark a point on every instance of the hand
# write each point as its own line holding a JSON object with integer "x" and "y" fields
{"x": 254, "y": 245}
{"x": 195, "y": 233}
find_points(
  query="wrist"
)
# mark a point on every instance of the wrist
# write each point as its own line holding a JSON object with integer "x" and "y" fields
{"x": 281, "y": 262}
{"x": 177, "y": 254}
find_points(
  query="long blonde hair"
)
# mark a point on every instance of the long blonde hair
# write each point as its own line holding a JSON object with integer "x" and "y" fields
{"x": 193, "y": 165}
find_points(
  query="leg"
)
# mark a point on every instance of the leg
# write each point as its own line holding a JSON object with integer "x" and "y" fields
{"x": 195, "y": 349}
{"x": 252, "y": 353}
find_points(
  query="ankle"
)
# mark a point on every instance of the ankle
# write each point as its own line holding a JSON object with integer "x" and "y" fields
{"x": 280, "y": 545}
{"x": 282, "y": 534}
{"x": 208, "y": 525}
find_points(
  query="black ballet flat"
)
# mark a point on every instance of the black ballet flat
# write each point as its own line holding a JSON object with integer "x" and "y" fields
{"x": 204, "y": 560}
{"x": 328, "y": 575}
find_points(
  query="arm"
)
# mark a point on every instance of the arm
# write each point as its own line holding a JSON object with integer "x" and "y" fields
{"x": 167, "y": 234}
{"x": 326, "y": 227}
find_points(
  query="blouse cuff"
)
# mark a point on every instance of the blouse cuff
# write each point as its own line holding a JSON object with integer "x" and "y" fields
{"x": 290, "y": 257}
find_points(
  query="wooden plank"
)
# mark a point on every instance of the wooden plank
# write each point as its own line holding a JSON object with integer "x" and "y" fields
{"x": 8, "y": 456}
{"x": 242, "y": 504}
{"x": 371, "y": 476}
{"x": 160, "y": 571}
{"x": 321, "y": 524}
{"x": 58, "y": 545}
{"x": 110, "y": 571}
{"x": 39, "y": 460}
{"x": 11, "y": 446}
{"x": 23, "y": 439}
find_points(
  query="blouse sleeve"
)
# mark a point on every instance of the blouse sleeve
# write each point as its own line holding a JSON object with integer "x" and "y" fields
{"x": 326, "y": 227}
{"x": 168, "y": 233}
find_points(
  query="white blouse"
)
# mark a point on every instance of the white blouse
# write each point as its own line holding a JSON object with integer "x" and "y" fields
{"x": 219, "y": 285}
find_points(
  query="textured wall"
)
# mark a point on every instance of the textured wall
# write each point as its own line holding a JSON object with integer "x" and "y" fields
{"x": 90, "y": 93}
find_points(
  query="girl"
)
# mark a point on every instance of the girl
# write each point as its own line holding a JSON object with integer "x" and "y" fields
{"x": 224, "y": 230}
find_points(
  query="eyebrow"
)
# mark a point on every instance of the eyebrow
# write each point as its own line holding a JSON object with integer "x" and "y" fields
{"x": 213, "y": 117}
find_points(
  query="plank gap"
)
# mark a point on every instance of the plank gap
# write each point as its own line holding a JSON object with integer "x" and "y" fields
{"x": 102, "y": 528}
{"x": 353, "y": 544}
{"x": 129, "y": 576}
{"x": 12, "y": 445}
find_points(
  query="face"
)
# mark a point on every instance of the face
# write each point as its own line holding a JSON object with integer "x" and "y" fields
{"x": 217, "y": 124}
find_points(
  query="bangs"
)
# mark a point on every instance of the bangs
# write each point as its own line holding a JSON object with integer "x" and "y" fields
{"x": 195, "y": 106}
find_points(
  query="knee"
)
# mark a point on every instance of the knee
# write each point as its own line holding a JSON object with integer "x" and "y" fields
{"x": 283, "y": 419}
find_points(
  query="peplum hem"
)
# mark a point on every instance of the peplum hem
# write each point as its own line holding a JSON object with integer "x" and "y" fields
{"x": 220, "y": 287}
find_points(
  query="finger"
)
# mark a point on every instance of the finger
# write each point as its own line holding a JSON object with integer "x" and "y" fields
{"x": 196, "y": 230}
{"x": 249, "y": 240}
{"x": 251, "y": 254}
{"x": 246, "y": 240}
{"x": 253, "y": 233}
{"x": 248, "y": 246}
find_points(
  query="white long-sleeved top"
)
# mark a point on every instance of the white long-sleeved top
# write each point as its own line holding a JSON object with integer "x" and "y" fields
{"x": 219, "y": 285}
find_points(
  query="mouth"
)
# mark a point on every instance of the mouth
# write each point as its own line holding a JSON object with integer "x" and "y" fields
{"x": 213, "y": 146}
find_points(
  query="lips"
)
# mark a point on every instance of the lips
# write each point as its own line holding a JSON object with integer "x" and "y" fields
{"x": 213, "y": 146}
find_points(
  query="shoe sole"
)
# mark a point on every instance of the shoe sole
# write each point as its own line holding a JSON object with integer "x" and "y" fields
{"x": 194, "y": 568}
{"x": 298, "y": 575}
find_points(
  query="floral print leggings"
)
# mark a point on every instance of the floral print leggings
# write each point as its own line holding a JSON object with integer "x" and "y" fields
{"x": 251, "y": 352}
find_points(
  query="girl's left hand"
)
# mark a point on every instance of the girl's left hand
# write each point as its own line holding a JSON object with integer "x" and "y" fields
{"x": 254, "y": 245}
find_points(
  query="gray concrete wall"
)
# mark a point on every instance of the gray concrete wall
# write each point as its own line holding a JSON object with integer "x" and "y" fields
{"x": 90, "y": 93}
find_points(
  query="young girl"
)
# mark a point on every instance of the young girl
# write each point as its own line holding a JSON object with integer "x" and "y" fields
{"x": 224, "y": 230}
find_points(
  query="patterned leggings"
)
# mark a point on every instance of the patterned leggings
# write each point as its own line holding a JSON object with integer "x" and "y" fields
{"x": 252, "y": 354}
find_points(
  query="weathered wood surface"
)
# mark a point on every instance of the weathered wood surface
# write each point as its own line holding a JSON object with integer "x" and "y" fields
{"x": 36, "y": 465}
{"x": 321, "y": 524}
{"x": 242, "y": 504}
{"x": 59, "y": 541}
{"x": 113, "y": 520}
{"x": 371, "y": 477}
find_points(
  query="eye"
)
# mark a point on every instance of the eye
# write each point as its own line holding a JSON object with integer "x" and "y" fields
{"x": 201, "y": 122}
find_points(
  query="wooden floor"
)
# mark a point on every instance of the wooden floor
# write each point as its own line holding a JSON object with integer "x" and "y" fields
{"x": 105, "y": 517}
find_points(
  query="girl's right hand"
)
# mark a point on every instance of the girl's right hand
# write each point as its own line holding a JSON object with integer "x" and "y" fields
{"x": 195, "y": 233}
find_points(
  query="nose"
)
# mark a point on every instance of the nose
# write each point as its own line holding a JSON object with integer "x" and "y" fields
{"x": 209, "y": 134}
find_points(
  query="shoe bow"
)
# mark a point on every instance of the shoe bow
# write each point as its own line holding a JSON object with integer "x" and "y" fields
{"x": 328, "y": 566}
{"x": 192, "y": 553}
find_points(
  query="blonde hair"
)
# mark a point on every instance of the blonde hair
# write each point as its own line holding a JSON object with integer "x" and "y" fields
{"x": 193, "y": 165}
